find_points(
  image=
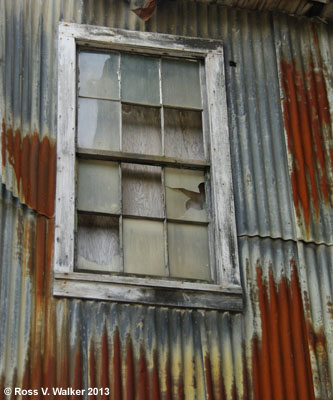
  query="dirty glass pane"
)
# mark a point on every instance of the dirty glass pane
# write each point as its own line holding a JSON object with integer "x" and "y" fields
{"x": 188, "y": 251}
{"x": 185, "y": 194}
{"x": 98, "y": 186}
{"x": 98, "y": 75}
{"x": 140, "y": 79}
{"x": 98, "y": 243}
{"x": 141, "y": 129}
{"x": 142, "y": 190}
{"x": 143, "y": 247}
{"x": 181, "y": 83}
{"x": 98, "y": 124}
{"x": 183, "y": 134}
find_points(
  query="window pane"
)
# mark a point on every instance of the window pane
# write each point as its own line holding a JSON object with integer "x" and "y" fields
{"x": 98, "y": 186}
{"x": 185, "y": 194}
{"x": 99, "y": 124}
{"x": 140, "y": 79}
{"x": 188, "y": 251}
{"x": 183, "y": 134}
{"x": 98, "y": 75}
{"x": 142, "y": 190}
{"x": 143, "y": 247}
{"x": 141, "y": 129}
{"x": 98, "y": 243}
{"x": 181, "y": 83}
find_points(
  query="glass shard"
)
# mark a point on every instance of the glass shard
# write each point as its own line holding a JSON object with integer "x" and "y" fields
{"x": 185, "y": 195}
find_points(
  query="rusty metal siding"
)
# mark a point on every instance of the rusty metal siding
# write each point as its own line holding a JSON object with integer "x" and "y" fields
{"x": 281, "y": 345}
{"x": 305, "y": 68}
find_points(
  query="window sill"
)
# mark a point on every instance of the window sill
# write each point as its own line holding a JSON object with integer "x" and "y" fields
{"x": 153, "y": 291}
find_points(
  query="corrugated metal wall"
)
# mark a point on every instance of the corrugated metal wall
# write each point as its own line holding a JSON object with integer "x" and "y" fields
{"x": 280, "y": 104}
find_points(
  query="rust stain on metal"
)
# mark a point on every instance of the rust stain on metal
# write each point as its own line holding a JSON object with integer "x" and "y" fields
{"x": 147, "y": 11}
{"x": 130, "y": 372}
{"x": 143, "y": 378}
{"x": 209, "y": 377}
{"x": 104, "y": 383}
{"x": 117, "y": 381}
{"x": 307, "y": 121}
{"x": 155, "y": 385}
{"x": 34, "y": 165}
{"x": 281, "y": 360}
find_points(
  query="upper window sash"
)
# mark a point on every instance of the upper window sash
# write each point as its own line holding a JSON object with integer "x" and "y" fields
{"x": 223, "y": 215}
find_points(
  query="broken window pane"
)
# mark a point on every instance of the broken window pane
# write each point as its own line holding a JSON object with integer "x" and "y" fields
{"x": 99, "y": 124}
{"x": 143, "y": 247}
{"x": 141, "y": 129}
{"x": 183, "y": 134}
{"x": 181, "y": 83}
{"x": 98, "y": 243}
{"x": 140, "y": 79}
{"x": 98, "y": 75}
{"x": 188, "y": 251}
{"x": 142, "y": 190}
{"x": 185, "y": 194}
{"x": 98, "y": 186}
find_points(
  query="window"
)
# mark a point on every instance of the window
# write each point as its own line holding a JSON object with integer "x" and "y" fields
{"x": 144, "y": 207}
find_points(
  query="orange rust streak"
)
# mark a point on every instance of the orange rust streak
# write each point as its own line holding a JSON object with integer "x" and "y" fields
{"x": 3, "y": 143}
{"x": 274, "y": 343}
{"x": 209, "y": 382}
{"x": 33, "y": 171}
{"x": 143, "y": 380}
{"x": 293, "y": 129}
{"x": 34, "y": 165}
{"x": 264, "y": 356}
{"x": 285, "y": 338}
{"x": 92, "y": 369}
{"x": 281, "y": 310}
{"x": 117, "y": 382}
{"x": 43, "y": 174}
{"x": 319, "y": 112}
{"x": 104, "y": 383}
{"x": 300, "y": 342}
{"x": 130, "y": 374}
{"x": 155, "y": 385}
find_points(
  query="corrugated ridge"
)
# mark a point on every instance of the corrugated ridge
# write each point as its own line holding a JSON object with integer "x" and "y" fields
{"x": 155, "y": 352}
{"x": 47, "y": 340}
{"x": 159, "y": 352}
{"x": 305, "y": 64}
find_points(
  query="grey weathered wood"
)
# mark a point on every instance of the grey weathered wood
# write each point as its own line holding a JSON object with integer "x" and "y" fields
{"x": 135, "y": 41}
{"x": 151, "y": 281}
{"x": 136, "y": 158}
{"x": 227, "y": 265}
{"x": 65, "y": 189}
{"x": 148, "y": 295}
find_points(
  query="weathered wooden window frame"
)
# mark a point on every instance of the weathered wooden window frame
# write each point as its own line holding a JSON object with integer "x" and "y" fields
{"x": 226, "y": 293}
